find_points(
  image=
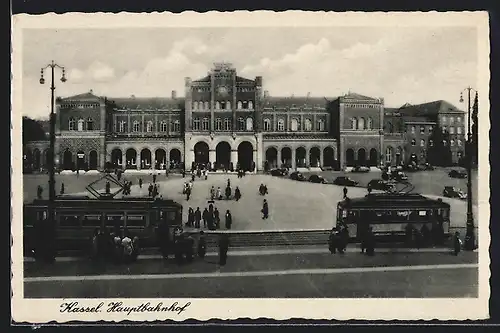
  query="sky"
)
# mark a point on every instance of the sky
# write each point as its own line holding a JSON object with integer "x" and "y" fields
{"x": 404, "y": 65}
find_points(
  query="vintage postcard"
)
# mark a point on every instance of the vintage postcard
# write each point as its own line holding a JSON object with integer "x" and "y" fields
{"x": 312, "y": 165}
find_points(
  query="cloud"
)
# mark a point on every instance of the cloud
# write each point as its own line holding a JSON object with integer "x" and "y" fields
{"x": 100, "y": 72}
{"x": 76, "y": 75}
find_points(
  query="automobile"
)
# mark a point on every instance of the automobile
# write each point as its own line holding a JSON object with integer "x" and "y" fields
{"x": 457, "y": 174}
{"x": 379, "y": 184}
{"x": 280, "y": 172}
{"x": 426, "y": 167}
{"x": 454, "y": 192}
{"x": 297, "y": 176}
{"x": 345, "y": 181}
{"x": 411, "y": 168}
{"x": 360, "y": 169}
{"x": 317, "y": 179}
{"x": 399, "y": 176}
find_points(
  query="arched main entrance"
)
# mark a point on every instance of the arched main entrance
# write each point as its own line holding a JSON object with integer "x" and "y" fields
{"x": 131, "y": 158}
{"x": 201, "y": 150}
{"x": 93, "y": 160}
{"x": 36, "y": 159}
{"x": 362, "y": 157}
{"x": 399, "y": 159}
{"x": 328, "y": 157}
{"x": 272, "y": 158}
{"x": 286, "y": 157}
{"x": 145, "y": 159}
{"x": 373, "y": 157}
{"x": 314, "y": 157}
{"x": 175, "y": 157}
{"x": 80, "y": 160}
{"x": 160, "y": 159}
{"x": 67, "y": 160}
{"x": 349, "y": 157}
{"x": 223, "y": 155}
{"x": 300, "y": 157}
{"x": 245, "y": 156}
{"x": 116, "y": 158}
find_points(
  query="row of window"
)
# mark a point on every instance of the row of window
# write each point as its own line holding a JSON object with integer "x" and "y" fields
{"x": 431, "y": 143}
{"x": 224, "y": 105}
{"x": 450, "y": 120}
{"x": 361, "y": 123}
{"x": 81, "y": 125}
{"x": 204, "y": 124}
{"x": 79, "y": 106}
{"x": 364, "y": 106}
{"x": 295, "y": 124}
{"x": 422, "y": 129}
{"x": 175, "y": 126}
{"x": 451, "y": 130}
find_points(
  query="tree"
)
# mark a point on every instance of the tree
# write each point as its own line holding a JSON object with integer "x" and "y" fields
{"x": 474, "y": 135}
{"x": 32, "y": 130}
{"x": 439, "y": 153}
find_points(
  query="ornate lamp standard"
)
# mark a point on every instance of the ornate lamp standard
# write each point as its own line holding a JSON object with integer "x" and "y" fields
{"x": 470, "y": 238}
{"x": 51, "y": 153}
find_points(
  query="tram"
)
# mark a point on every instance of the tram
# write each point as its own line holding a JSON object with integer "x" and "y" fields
{"x": 77, "y": 218}
{"x": 391, "y": 215}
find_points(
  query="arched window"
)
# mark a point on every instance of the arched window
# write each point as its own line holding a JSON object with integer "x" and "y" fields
{"x": 228, "y": 105}
{"x": 320, "y": 126}
{"x": 412, "y": 129}
{"x": 217, "y": 105}
{"x": 281, "y": 125}
{"x": 195, "y": 105}
{"x": 90, "y": 124}
{"x": 240, "y": 105}
{"x": 422, "y": 129}
{"x": 196, "y": 124}
{"x": 452, "y": 143}
{"x": 295, "y": 124}
{"x": 459, "y": 142}
{"x": 369, "y": 123}
{"x": 122, "y": 125}
{"x": 250, "y": 105}
{"x": 176, "y": 126}
{"x": 72, "y": 124}
{"x": 218, "y": 124}
{"x": 308, "y": 125}
{"x": 241, "y": 124}
{"x": 354, "y": 123}
{"x": 431, "y": 143}
{"x": 163, "y": 126}
{"x": 361, "y": 123}
{"x": 149, "y": 126}
{"x": 137, "y": 126}
{"x": 227, "y": 124}
{"x": 459, "y": 129}
{"x": 422, "y": 143}
{"x": 444, "y": 129}
{"x": 267, "y": 125}
{"x": 205, "y": 125}
{"x": 413, "y": 142}
{"x": 445, "y": 143}
{"x": 81, "y": 123}
{"x": 452, "y": 130}
{"x": 206, "y": 106}
{"x": 249, "y": 124}
{"x": 388, "y": 154}
{"x": 452, "y": 120}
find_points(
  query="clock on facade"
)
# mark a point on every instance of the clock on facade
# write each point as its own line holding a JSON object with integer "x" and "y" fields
{"x": 223, "y": 90}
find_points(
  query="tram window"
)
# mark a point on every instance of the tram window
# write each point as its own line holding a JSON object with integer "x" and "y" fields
{"x": 401, "y": 215}
{"x": 91, "y": 221}
{"x": 115, "y": 220}
{"x": 69, "y": 221}
{"x": 136, "y": 220}
{"x": 170, "y": 217}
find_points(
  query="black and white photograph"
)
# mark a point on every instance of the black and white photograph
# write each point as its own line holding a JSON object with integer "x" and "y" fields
{"x": 250, "y": 164}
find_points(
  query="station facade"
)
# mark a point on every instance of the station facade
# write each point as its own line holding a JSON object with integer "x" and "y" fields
{"x": 230, "y": 121}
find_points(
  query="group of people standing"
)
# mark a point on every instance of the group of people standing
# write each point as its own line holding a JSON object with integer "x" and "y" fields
{"x": 119, "y": 246}
{"x": 210, "y": 217}
{"x": 217, "y": 193}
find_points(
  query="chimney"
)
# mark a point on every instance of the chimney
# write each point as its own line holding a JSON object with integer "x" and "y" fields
{"x": 174, "y": 94}
{"x": 91, "y": 91}
{"x": 266, "y": 93}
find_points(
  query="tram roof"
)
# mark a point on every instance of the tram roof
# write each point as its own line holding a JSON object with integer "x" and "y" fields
{"x": 389, "y": 200}
{"x": 83, "y": 201}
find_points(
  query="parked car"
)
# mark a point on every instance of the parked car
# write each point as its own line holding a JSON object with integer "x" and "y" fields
{"x": 280, "y": 172}
{"x": 399, "y": 176}
{"x": 297, "y": 176}
{"x": 317, "y": 179}
{"x": 345, "y": 181}
{"x": 453, "y": 192}
{"x": 379, "y": 184}
{"x": 457, "y": 174}
{"x": 411, "y": 168}
{"x": 427, "y": 167}
{"x": 360, "y": 169}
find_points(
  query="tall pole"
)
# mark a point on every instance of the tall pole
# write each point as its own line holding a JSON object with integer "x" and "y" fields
{"x": 470, "y": 239}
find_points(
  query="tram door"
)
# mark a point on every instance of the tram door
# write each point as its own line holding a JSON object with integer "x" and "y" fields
{"x": 363, "y": 222}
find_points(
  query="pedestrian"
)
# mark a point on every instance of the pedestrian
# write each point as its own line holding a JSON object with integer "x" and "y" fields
{"x": 155, "y": 190}
{"x": 188, "y": 193}
{"x": 210, "y": 217}
{"x": 197, "y": 218}
{"x": 370, "y": 242}
{"x": 212, "y": 193}
{"x": 229, "y": 219}
{"x": 223, "y": 248}
{"x": 119, "y": 174}
{"x": 150, "y": 189}
{"x": 205, "y": 217}
{"x": 202, "y": 245}
{"x": 140, "y": 182}
{"x": 183, "y": 173}
{"x": 39, "y": 192}
{"x": 62, "y": 188}
{"x": 228, "y": 192}
{"x": 190, "y": 221}
{"x": 237, "y": 193}
{"x": 217, "y": 218}
{"x": 228, "y": 182}
{"x": 163, "y": 238}
{"x": 333, "y": 241}
{"x": 345, "y": 192}
{"x": 343, "y": 238}
{"x": 205, "y": 173}
{"x": 193, "y": 177}
{"x": 108, "y": 188}
{"x": 265, "y": 210}
{"x": 457, "y": 243}
{"x": 219, "y": 194}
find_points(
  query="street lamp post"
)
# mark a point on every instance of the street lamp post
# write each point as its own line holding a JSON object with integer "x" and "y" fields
{"x": 470, "y": 239}
{"x": 51, "y": 153}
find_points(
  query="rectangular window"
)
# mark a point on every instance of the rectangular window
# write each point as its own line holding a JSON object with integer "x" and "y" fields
{"x": 422, "y": 130}
{"x": 91, "y": 221}
{"x": 69, "y": 221}
{"x": 452, "y": 130}
{"x": 136, "y": 220}
{"x": 205, "y": 124}
{"x": 196, "y": 124}
{"x": 227, "y": 124}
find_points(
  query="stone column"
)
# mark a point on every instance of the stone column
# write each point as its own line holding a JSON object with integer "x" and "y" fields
{"x": 321, "y": 161}
{"x": 234, "y": 157}
{"x": 212, "y": 156}
{"x": 294, "y": 162}
{"x": 138, "y": 160}
{"x": 308, "y": 158}
{"x": 278, "y": 157}
{"x": 124, "y": 158}
{"x": 256, "y": 160}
